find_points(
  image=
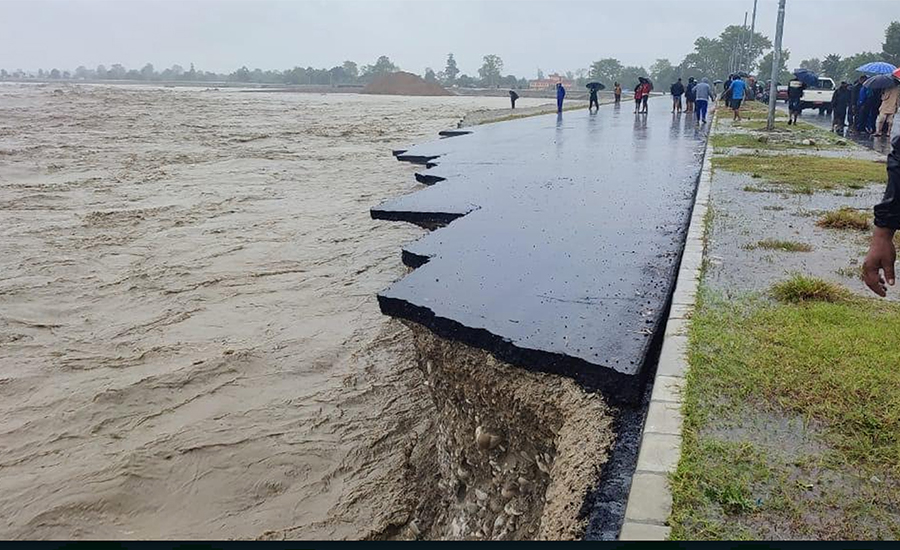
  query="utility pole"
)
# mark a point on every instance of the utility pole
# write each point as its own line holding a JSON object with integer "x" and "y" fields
{"x": 776, "y": 64}
{"x": 752, "y": 32}
{"x": 743, "y": 45}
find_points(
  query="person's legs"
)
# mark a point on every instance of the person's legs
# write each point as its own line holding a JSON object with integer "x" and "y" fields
{"x": 678, "y": 105}
{"x": 644, "y": 101}
{"x": 879, "y": 122}
{"x": 559, "y": 103}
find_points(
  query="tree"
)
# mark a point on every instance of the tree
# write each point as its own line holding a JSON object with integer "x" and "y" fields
{"x": 466, "y": 81}
{"x": 55, "y": 74}
{"x": 383, "y": 65}
{"x": 450, "y": 71}
{"x": 813, "y": 65}
{"x": 717, "y": 57}
{"x": 663, "y": 73}
{"x": 148, "y": 72}
{"x": 540, "y": 74}
{"x": 82, "y": 73}
{"x": 490, "y": 70}
{"x": 765, "y": 67}
{"x": 429, "y": 75}
{"x": 832, "y": 66}
{"x": 117, "y": 72}
{"x": 891, "y": 47}
{"x": 851, "y": 63}
{"x": 241, "y": 75}
{"x": 3, "y": 74}
{"x": 629, "y": 75}
{"x": 100, "y": 72}
{"x": 606, "y": 70}
{"x": 351, "y": 70}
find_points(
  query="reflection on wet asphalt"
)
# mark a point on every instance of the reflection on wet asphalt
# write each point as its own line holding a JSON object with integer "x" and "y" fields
{"x": 566, "y": 255}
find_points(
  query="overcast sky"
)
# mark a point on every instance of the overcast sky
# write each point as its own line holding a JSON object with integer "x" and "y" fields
{"x": 221, "y": 35}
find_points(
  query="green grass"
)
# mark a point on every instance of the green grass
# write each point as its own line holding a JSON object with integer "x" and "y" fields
{"x": 800, "y": 288}
{"x": 784, "y": 246}
{"x": 845, "y": 218}
{"x": 804, "y": 172}
{"x": 829, "y": 364}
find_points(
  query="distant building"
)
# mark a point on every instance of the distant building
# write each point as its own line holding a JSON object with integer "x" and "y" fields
{"x": 550, "y": 82}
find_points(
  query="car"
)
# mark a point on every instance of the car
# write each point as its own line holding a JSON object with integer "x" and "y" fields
{"x": 818, "y": 96}
{"x": 782, "y": 93}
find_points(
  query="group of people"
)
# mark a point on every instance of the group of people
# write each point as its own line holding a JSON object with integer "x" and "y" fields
{"x": 696, "y": 95}
{"x": 863, "y": 109}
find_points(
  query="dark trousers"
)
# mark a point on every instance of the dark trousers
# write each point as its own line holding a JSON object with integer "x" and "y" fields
{"x": 594, "y": 102}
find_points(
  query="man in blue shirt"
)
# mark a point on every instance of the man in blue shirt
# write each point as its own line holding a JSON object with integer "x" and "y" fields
{"x": 738, "y": 88}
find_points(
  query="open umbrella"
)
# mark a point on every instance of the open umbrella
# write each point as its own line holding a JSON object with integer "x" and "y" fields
{"x": 880, "y": 82}
{"x": 896, "y": 74}
{"x": 742, "y": 74}
{"x": 717, "y": 82}
{"x": 806, "y": 76}
{"x": 595, "y": 86}
{"x": 877, "y": 67}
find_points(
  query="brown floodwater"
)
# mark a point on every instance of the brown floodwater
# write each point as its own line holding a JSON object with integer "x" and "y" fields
{"x": 190, "y": 344}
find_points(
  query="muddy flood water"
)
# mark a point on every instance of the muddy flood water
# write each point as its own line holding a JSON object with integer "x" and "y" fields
{"x": 190, "y": 344}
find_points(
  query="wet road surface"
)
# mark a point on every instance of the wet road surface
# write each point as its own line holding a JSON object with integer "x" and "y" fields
{"x": 569, "y": 232}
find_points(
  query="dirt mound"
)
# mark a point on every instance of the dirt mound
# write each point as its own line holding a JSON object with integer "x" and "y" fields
{"x": 404, "y": 84}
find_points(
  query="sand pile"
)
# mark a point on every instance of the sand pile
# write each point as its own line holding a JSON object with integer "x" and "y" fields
{"x": 404, "y": 84}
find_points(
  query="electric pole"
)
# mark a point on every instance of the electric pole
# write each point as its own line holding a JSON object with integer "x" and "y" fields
{"x": 752, "y": 32}
{"x": 776, "y": 64}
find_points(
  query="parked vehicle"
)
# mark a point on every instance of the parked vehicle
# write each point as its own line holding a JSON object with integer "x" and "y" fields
{"x": 782, "y": 93}
{"x": 818, "y": 96}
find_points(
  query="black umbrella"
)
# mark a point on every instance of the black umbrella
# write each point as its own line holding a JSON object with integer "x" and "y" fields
{"x": 595, "y": 86}
{"x": 880, "y": 82}
{"x": 743, "y": 74}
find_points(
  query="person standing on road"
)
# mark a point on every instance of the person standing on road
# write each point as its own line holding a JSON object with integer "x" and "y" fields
{"x": 638, "y": 95}
{"x": 726, "y": 95}
{"x": 560, "y": 95}
{"x": 795, "y": 94}
{"x": 854, "y": 100}
{"x": 513, "y": 96}
{"x": 677, "y": 90}
{"x": 736, "y": 89}
{"x": 689, "y": 96}
{"x": 593, "y": 101}
{"x": 702, "y": 95}
{"x": 878, "y": 267}
{"x": 617, "y": 90}
{"x": 840, "y": 100}
{"x": 646, "y": 95}
{"x": 889, "y": 99}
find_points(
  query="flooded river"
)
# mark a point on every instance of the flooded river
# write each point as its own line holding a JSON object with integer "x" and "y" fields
{"x": 190, "y": 344}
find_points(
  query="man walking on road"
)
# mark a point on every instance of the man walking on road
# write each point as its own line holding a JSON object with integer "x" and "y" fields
{"x": 736, "y": 89}
{"x": 878, "y": 267}
{"x": 560, "y": 95}
{"x": 689, "y": 95}
{"x": 702, "y": 93}
{"x": 677, "y": 90}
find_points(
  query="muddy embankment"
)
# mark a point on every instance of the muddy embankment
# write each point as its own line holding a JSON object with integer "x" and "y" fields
{"x": 513, "y": 454}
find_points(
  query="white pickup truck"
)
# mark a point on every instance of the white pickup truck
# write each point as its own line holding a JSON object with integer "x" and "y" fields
{"x": 818, "y": 96}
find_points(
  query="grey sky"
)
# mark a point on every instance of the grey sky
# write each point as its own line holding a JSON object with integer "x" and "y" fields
{"x": 221, "y": 35}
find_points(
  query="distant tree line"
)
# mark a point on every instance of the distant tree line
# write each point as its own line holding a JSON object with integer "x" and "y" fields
{"x": 732, "y": 51}
{"x": 490, "y": 75}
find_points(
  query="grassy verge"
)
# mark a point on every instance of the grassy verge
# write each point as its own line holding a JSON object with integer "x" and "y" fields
{"x": 792, "y": 420}
{"x": 802, "y": 173}
{"x": 783, "y": 246}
